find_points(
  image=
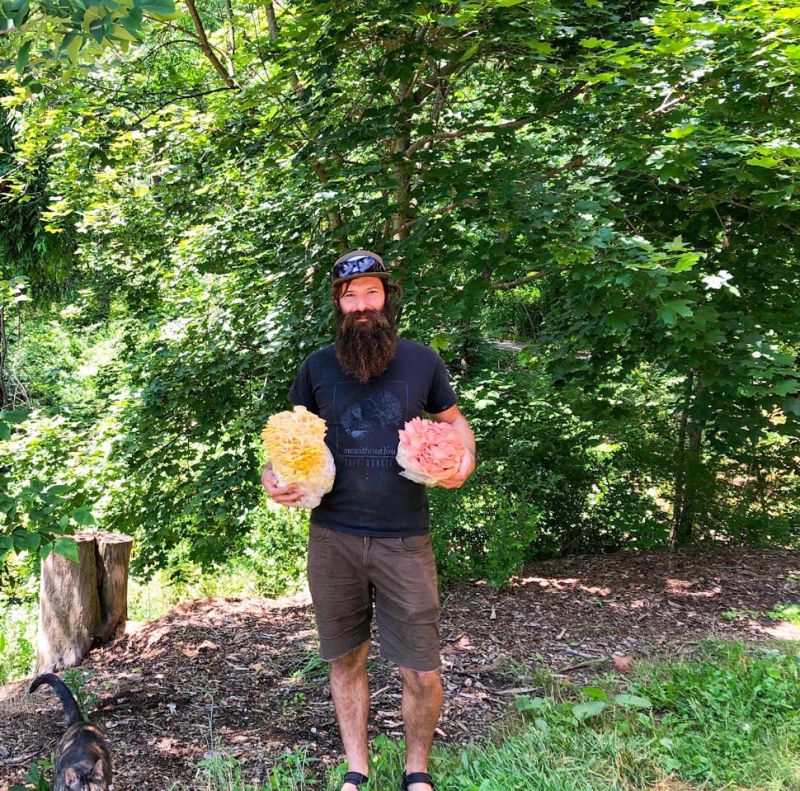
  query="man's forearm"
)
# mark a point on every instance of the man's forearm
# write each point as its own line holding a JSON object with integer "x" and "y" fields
{"x": 465, "y": 432}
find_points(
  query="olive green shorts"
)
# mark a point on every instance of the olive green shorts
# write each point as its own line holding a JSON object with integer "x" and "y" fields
{"x": 347, "y": 573}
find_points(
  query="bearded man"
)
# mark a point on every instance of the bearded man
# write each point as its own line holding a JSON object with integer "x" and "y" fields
{"x": 369, "y": 542}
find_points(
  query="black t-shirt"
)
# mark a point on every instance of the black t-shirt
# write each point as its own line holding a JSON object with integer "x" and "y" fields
{"x": 369, "y": 496}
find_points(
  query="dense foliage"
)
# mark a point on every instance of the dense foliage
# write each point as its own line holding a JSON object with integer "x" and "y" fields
{"x": 612, "y": 185}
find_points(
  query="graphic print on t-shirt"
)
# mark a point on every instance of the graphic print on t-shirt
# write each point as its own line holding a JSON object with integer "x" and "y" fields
{"x": 367, "y": 421}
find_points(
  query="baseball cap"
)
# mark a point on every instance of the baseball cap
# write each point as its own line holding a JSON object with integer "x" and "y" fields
{"x": 358, "y": 263}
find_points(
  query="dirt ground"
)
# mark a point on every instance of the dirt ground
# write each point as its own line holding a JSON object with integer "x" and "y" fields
{"x": 241, "y": 676}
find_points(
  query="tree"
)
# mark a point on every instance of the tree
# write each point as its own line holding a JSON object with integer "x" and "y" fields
{"x": 627, "y": 162}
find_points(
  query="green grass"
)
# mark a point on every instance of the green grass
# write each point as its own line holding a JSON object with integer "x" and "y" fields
{"x": 155, "y": 597}
{"x": 292, "y": 772}
{"x": 780, "y": 612}
{"x": 17, "y": 640}
{"x": 728, "y": 720}
{"x": 786, "y": 612}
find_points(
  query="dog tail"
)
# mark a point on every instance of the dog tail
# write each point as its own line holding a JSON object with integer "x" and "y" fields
{"x": 71, "y": 710}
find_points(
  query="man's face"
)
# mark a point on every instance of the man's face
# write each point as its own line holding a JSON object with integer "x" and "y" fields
{"x": 366, "y": 334}
{"x": 362, "y": 294}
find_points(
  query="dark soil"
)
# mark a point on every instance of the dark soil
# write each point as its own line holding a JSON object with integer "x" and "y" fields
{"x": 242, "y": 676}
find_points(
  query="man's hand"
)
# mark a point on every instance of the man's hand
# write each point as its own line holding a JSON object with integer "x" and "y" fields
{"x": 283, "y": 495}
{"x": 454, "y": 417}
{"x": 464, "y": 471}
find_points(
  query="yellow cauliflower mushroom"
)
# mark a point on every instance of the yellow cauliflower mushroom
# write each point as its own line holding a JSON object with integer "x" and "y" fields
{"x": 295, "y": 444}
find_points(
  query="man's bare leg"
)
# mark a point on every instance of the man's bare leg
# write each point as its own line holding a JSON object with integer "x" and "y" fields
{"x": 350, "y": 693}
{"x": 422, "y": 705}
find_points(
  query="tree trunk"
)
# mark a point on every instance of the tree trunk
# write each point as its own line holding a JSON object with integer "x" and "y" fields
{"x": 82, "y": 603}
{"x": 689, "y": 465}
{"x": 401, "y": 218}
{"x": 4, "y": 399}
{"x": 680, "y": 467}
{"x": 113, "y": 554}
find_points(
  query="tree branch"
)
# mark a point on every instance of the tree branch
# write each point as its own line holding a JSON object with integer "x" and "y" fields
{"x": 192, "y": 41}
{"x": 440, "y": 211}
{"x": 486, "y": 128}
{"x": 294, "y": 80}
{"x": 206, "y": 47}
{"x": 427, "y": 88}
{"x": 232, "y": 29}
{"x": 520, "y": 281}
{"x": 174, "y": 99}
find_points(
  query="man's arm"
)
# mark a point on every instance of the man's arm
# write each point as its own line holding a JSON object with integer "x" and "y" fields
{"x": 454, "y": 417}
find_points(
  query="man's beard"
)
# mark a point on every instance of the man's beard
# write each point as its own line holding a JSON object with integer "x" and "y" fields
{"x": 364, "y": 349}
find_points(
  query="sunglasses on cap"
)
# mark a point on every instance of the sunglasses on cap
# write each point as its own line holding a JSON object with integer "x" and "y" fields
{"x": 358, "y": 265}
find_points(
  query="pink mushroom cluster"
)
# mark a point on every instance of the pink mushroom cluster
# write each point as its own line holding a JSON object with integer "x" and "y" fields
{"x": 429, "y": 452}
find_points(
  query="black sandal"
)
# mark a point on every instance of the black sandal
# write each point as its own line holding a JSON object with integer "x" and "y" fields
{"x": 356, "y": 778}
{"x": 416, "y": 777}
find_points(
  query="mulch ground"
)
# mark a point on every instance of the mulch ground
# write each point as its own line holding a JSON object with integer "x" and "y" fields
{"x": 240, "y": 676}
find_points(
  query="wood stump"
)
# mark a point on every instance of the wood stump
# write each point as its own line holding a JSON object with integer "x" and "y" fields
{"x": 82, "y": 604}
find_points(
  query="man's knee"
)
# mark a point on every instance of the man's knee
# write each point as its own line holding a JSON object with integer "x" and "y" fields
{"x": 421, "y": 682}
{"x": 353, "y": 662}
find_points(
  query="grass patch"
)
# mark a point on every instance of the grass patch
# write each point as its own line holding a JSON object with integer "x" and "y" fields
{"x": 728, "y": 719}
{"x": 785, "y": 612}
{"x": 780, "y": 612}
{"x": 292, "y": 772}
{"x": 18, "y": 624}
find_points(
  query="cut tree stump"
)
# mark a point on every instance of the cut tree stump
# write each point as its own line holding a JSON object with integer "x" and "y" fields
{"x": 83, "y": 603}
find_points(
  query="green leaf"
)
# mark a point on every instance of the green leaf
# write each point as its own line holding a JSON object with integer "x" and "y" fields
{"x": 632, "y": 701}
{"x": 527, "y": 703}
{"x": 5, "y": 431}
{"x": 679, "y": 132}
{"x": 676, "y": 245}
{"x": 22, "y": 56}
{"x": 539, "y": 47}
{"x": 594, "y": 43}
{"x": 71, "y": 44}
{"x": 786, "y": 387}
{"x": 470, "y": 52}
{"x": 440, "y": 341}
{"x": 595, "y": 693}
{"x": 791, "y": 405}
{"x": 764, "y": 162}
{"x": 686, "y": 262}
{"x": 13, "y": 416}
{"x": 673, "y": 308}
{"x": 164, "y": 9}
{"x": 582, "y": 711}
{"x": 603, "y": 76}
{"x": 58, "y": 488}
{"x": 67, "y": 548}
{"x": 83, "y": 516}
{"x": 25, "y": 541}
{"x": 16, "y": 10}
